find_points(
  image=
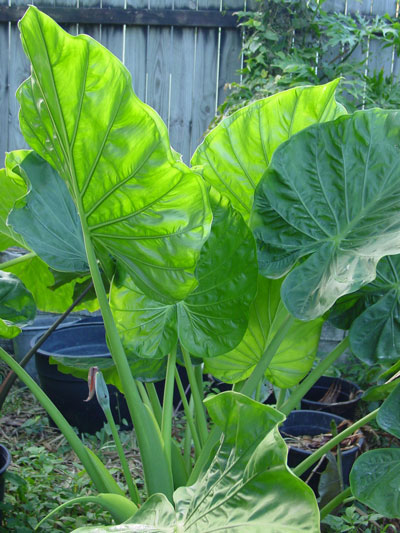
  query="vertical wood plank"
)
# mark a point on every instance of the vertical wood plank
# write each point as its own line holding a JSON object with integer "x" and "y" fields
{"x": 381, "y": 58}
{"x": 159, "y": 45}
{"x": 4, "y": 90}
{"x": 334, "y": 6}
{"x": 18, "y": 71}
{"x": 112, "y": 35}
{"x": 205, "y": 78}
{"x": 182, "y": 78}
{"x": 94, "y": 30}
{"x": 136, "y": 51}
{"x": 231, "y": 45}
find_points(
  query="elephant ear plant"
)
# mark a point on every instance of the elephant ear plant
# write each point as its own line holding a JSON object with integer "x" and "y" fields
{"x": 180, "y": 258}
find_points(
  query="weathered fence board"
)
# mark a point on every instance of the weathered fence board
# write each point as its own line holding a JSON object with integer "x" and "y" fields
{"x": 179, "y": 68}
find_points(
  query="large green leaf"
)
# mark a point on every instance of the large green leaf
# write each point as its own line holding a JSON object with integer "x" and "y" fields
{"x": 294, "y": 357}
{"x": 46, "y": 217}
{"x": 135, "y": 200}
{"x": 375, "y": 481}
{"x": 17, "y": 307}
{"x": 212, "y": 319}
{"x": 375, "y": 333}
{"x": 36, "y": 276}
{"x": 247, "y": 487}
{"x": 331, "y": 195}
{"x": 389, "y": 413}
{"x": 12, "y": 187}
{"x": 237, "y": 152}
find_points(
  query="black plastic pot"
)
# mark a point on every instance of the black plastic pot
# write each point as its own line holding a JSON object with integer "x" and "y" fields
{"x": 349, "y": 395}
{"x": 23, "y": 342}
{"x": 308, "y": 422}
{"x": 68, "y": 393}
{"x": 5, "y": 459}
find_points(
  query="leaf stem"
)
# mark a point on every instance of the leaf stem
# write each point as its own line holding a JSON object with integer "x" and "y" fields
{"x": 197, "y": 399}
{"x": 166, "y": 421}
{"x": 17, "y": 260}
{"x": 313, "y": 376}
{"x": 314, "y": 457}
{"x": 156, "y": 467}
{"x": 154, "y": 400}
{"x": 188, "y": 414}
{"x": 132, "y": 488}
{"x": 335, "y": 502}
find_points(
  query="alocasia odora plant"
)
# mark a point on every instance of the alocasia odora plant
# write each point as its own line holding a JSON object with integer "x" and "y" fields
{"x": 182, "y": 264}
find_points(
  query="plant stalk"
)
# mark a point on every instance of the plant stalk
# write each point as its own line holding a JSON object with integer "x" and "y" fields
{"x": 12, "y": 376}
{"x": 17, "y": 260}
{"x": 154, "y": 400}
{"x": 168, "y": 404}
{"x": 314, "y": 457}
{"x": 313, "y": 376}
{"x": 197, "y": 399}
{"x": 188, "y": 414}
{"x": 157, "y": 474}
{"x": 132, "y": 488}
{"x": 335, "y": 502}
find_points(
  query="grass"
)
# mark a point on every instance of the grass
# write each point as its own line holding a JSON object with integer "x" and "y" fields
{"x": 45, "y": 472}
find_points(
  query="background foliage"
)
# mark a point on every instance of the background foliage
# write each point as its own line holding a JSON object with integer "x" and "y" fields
{"x": 295, "y": 42}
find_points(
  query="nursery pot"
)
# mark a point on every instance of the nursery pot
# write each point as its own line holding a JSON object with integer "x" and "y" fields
{"x": 23, "y": 342}
{"x": 5, "y": 459}
{"x": 346, "y": 396}
{"x": 311, "y": 423}
{"x": 68, "y": 393}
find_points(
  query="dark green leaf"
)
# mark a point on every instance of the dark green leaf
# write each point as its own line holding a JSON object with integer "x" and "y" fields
{"x": 375, "y": 481}
{"x": 389, "y": 413}
{"x": 379, "y": 392}
{"x": 46, "y": 217}
{"x": 237, "y": 152}
{"x": 375, "y": 333}
{"x": 331, "y": 195}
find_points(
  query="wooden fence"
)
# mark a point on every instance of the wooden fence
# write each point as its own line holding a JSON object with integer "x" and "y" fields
{"x": 181, "y": 54}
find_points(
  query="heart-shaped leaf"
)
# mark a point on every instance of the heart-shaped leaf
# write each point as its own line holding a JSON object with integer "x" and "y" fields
{"x": 375, "y": 333}
{"x": 247, "y": 487}
{"x": 136, "y": 202}
{"x": 375, "y": 481}
{"x": 331, "y": 195}
{"x": 235, "y": 155}
{"x": 47, "y": 217}
{"x": 294, "y": 357}
{"x": 17, "y": 307}
{"x": 212, "y": 319}
{"x": 389, "y": 413}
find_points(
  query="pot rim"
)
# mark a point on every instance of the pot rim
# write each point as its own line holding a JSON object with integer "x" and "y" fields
{"x": 7, "y": 459}
{"x": 338, "y": 418}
